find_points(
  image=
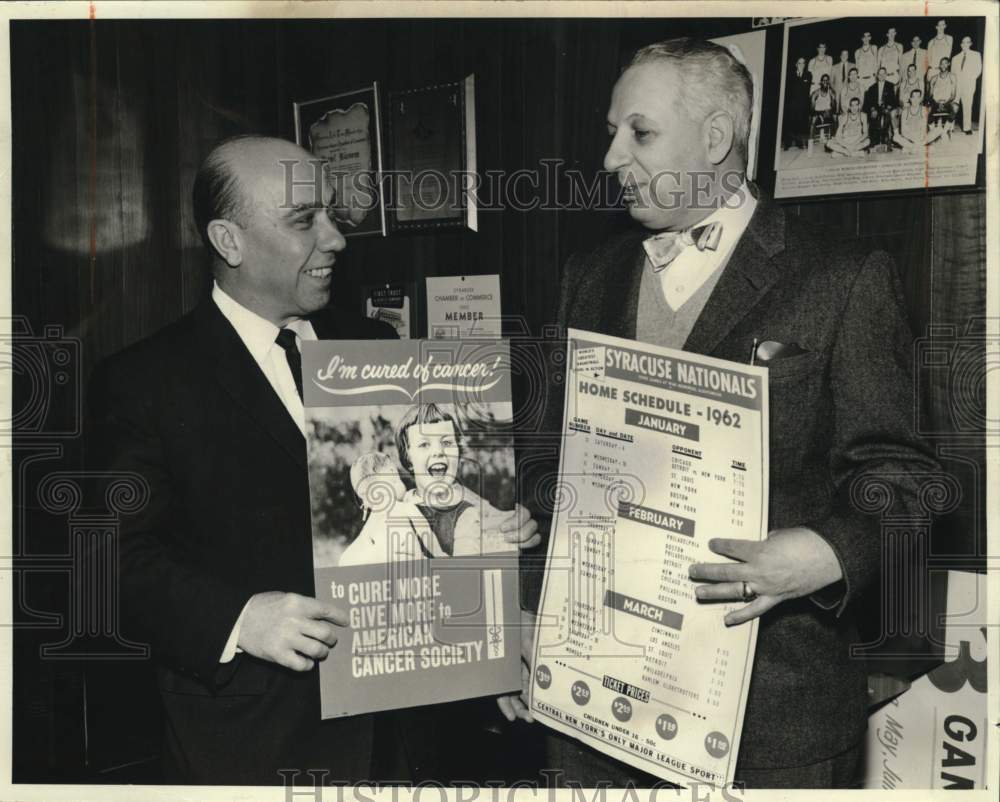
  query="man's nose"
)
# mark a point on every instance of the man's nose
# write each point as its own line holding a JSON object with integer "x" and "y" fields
{"x": 330, "y": 237}
{"x": 617, "y": 155}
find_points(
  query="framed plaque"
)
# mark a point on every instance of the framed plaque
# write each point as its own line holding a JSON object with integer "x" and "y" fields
{"x": 344, "y": 130}
{"x": 392, "y": 304}
{"x": 431, "y": 136}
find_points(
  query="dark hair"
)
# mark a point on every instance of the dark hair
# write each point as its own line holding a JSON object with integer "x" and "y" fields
{"x": 419, "y": 414}
{"x": 218, "y": 193}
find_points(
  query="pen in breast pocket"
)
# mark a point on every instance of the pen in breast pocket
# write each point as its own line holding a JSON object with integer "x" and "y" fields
{"x": 753, "y": 351}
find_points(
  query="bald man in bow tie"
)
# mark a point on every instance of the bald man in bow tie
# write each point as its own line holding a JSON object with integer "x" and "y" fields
{"x": 713, "y": 268}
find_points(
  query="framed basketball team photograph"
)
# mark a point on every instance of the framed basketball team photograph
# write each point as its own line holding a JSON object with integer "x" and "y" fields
{"x": 872, "y": 104}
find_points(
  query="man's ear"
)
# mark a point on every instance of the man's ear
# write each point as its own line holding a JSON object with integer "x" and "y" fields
{"x": 226, "y": 238}
{"x": 719, "y": 134}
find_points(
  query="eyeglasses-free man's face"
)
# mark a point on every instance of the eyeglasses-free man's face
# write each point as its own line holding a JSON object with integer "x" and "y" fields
{"x": 286, "y": 252}
{"x": 656, "y": 147}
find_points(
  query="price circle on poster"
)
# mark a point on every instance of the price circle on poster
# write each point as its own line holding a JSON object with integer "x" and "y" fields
{"x": 580, "y": 692}
{"x": 621, "y": 708}
{"x": 543, "y": 676}
{"x": 716, "y": 744}
{"x": 666, "y": 726}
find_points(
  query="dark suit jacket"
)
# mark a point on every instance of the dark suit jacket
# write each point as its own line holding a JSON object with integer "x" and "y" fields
{"x": 887, "y": 98}
{"x": 797, "y": 101}
{"x": 839, "y": 412}
{"x": 190, "y": 412}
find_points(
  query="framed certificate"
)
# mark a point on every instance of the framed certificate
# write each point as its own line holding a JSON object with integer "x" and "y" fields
{"x": 431, "y": 136}
{"x": 463, "y": 307}
{"x": 344, "y": 130}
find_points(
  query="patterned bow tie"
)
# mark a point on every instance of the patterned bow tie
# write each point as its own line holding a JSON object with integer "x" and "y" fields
{"x": 664, "y": 248}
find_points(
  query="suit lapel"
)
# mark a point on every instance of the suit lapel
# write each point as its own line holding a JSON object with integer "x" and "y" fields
{"x": 241, "y": 377}
{"x": 752, "y": 270}
{"x": 327, "y": 324}
{"x": 622, "y": 279}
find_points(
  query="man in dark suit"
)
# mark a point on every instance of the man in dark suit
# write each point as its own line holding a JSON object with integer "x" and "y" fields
{"x": 880, "y": 100}
{"x": 824, "y": 316}
{"x": 216, "y": 571}
{"x": 797, "y": 116}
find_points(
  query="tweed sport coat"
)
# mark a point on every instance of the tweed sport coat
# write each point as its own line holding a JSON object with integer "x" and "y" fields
{"x": 842, "y": 445}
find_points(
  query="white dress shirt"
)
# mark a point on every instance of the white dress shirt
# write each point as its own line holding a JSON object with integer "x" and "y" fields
{"x": 917, "y": 57}
{"x": 259, "y": 336}
{"x": 684, "y": 276}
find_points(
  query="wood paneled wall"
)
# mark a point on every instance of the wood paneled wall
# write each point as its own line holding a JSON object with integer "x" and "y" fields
{"x": 112, "y": 118}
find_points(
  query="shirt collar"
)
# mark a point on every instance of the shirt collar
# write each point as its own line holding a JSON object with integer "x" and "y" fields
{"x": 734, "y": 214}
{"x": 257, "y": 333}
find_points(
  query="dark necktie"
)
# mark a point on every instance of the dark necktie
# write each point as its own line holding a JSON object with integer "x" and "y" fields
{"x": 843, "y": 72}
{"x": 962, "y": 65}
{"x": 286, "y": 339}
